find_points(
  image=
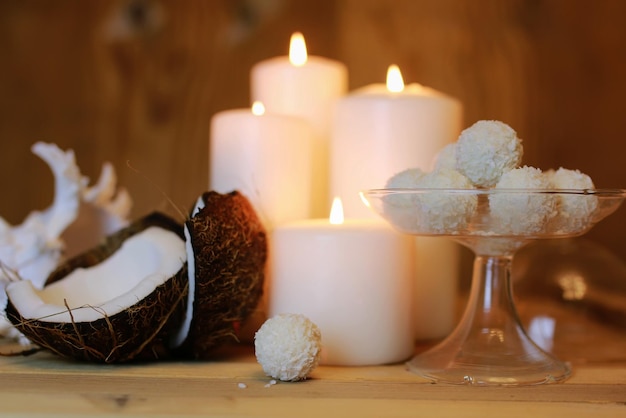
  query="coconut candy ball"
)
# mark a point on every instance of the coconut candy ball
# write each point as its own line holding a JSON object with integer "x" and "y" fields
{"x": 406, "y": 179}
{"x": 575, "y": 211}
{"x": 288, "y": 347}
{"x": 445, "y": 213}
{"x": 430, "y": 212}
{"x": 446, "y": 157}
{"x": 399, "y": 207}
{"x": 564, "y": 178}
{"x": 522, "y": 213}
{"x": 486, "y": 150}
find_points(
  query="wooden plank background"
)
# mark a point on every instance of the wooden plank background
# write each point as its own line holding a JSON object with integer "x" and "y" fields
{"x": 138, "y": 81}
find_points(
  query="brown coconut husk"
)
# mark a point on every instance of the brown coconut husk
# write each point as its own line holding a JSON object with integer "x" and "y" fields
{"x": 140, "y": 332}
{"x": 230, "y": 247}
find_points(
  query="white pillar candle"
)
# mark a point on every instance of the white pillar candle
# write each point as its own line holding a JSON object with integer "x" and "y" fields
{"x": 378, "y": 131}
{"x": 307, "y": 87}
{"x": 353, "y": 279}
{"x": 266, "y": 157}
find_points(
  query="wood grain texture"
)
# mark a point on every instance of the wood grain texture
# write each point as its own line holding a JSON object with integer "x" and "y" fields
{"x": 138, "y": 81}
{"x": 42, "y": 385}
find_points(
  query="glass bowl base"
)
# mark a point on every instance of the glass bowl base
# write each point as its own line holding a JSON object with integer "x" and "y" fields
{"x": 461, "y": 371}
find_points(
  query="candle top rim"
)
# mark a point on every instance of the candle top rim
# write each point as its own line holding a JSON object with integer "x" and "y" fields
{"x": 312, "y": 60}
{"x": 324, "y": 224}
{"x": 410, "y": 90}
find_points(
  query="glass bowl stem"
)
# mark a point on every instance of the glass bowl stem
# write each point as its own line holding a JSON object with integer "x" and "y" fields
{"x": 489, "y": 345}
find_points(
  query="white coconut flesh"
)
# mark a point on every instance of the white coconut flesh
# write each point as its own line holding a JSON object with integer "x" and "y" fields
{"x": 142, "y": 263}
{"x": 183, "y": 331}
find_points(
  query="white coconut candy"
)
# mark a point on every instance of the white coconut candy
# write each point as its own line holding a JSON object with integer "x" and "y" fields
{"x": 445, "y": 213}
{"x": 446, "y": 158}
{"x": 486, "y": 150}
{"x": 401, "y": 205}
{"x": 575, "y": 211}
{"x": 432, "y": 212}
{"x": 522, "y": 213}
{"x": 405, "y": 179}
{"x": 288, "y": 347}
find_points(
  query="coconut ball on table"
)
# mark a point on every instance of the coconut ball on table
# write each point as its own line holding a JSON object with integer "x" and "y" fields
{"x": 486, "y": 150}
{"x": 575, "y": 210}
{"x": 288, "y": 347}
{"x": 518, "y": 212}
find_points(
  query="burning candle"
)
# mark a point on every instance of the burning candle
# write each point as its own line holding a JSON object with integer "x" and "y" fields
{"x": 266, "y": 157}
{"x": 307, "y": 87}
{"x": 382, "y": 129}
{"x": 353, "y": 279}
{"x": 378, "y": 131}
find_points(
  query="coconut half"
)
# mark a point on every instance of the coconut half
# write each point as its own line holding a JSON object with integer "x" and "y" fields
{"x": 120, "y": 301}
{"x": 228, "y": 252}
{"x": 153, "y": 290}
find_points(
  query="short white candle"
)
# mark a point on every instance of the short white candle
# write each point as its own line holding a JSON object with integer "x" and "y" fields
{"x": 307, "y": 87}
{"x": 353, "y": 279}
{"x": 378, "y": 131}
{"x": 266, "y": 157}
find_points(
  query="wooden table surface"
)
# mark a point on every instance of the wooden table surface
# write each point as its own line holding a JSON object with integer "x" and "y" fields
{"x": 234, "y": 385}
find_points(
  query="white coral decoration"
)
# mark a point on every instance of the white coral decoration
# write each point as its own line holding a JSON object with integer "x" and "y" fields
{"x": 288, "y": 347}
{"x": 33, "y": 249}
{"x": 106, "y": 195}
{"x": 104, "y": 209}
{"x": 486, "y": 150}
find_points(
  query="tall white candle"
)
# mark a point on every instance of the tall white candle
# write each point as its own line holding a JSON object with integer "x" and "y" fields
{"x": 266, "y": 157}
{"x": 378, "y": 131}
{"x": 307, "y": 87}
{"x": 353, "y": 279}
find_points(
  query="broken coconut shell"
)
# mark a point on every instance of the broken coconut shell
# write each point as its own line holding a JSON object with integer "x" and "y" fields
{"x": 230, "y": 251}
{"x": 141, "y": 331}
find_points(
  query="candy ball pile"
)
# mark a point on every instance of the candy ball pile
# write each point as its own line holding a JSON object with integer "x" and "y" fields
{"x": 488, "y": 155}
{"x": 288, "y": 347}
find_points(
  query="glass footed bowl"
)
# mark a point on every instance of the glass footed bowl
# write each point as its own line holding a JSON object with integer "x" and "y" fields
{"x": 489, "y": 345}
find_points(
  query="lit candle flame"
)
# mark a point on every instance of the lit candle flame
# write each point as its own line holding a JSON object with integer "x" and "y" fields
{"x": 336, "y": 212}
{"x": 257, "y": 108}
{"x": 395, "y": 83}
{"x": 297, "y": 49}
